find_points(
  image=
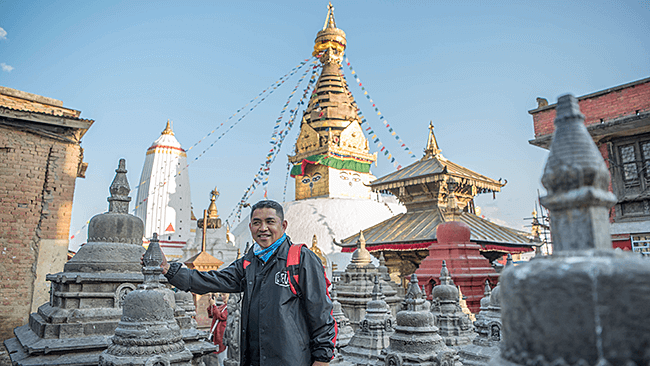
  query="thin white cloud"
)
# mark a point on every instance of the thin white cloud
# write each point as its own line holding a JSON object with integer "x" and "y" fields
{"x": 3, "y": 33}
{"x": 6, "y": 67}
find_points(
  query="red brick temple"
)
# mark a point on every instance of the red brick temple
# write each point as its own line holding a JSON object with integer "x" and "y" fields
{"x": 468, "y": 268}
{"x": 434, "y": 191}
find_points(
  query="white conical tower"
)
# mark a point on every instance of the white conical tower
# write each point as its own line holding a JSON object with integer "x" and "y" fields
{"x": 164, "y": 202}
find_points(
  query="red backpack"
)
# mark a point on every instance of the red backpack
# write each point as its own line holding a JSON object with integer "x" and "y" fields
{"x": 293, "y": 269}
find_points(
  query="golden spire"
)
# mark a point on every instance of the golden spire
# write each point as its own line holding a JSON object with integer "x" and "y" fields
{"x": 432, "y": 150}
{"x": 314, "y": 248}
{"x": 330, "y": 42}
{"x": 329, "y": 20}
{"x": 212, "y": 209}
{"x": 168, "y": 129}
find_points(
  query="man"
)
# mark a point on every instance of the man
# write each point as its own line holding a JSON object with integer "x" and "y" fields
{"x": 278, "y": 327}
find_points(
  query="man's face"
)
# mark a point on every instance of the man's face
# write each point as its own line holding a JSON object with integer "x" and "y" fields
{"x": 266, "y": 227}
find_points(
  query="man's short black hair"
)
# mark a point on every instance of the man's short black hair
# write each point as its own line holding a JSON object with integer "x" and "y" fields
{"x": 269, "y": 204}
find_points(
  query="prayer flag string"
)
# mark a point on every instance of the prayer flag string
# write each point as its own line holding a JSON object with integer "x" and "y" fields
{"x": 260, "y": 98}
{"x": 277, "y": 138}
{"x": 366, "y": 126}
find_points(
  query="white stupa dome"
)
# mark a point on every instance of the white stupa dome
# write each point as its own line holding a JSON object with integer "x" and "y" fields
{"x": 328, "y": 219}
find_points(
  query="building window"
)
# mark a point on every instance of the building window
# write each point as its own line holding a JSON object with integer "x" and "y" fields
{"x": 631, "y": 176}
{"x": 641, "y": 243}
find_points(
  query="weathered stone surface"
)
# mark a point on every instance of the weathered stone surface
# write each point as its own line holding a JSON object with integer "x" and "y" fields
{"x": 416, "y": 340}
{"x": 233, "y": 327}
{"x": 454, "y": 326}
{"x": 488, "y": 327}
{"x": 148, "y": 333}
{"x": 345, "y": 331}
{"x": 86, "y": 299}
{"x": 372, "y": 335}
{"x": 586, "y": 304}
{"x": 356, "y": 284}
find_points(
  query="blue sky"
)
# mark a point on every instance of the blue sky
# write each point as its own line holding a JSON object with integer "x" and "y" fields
{"x": 474, "y": 68}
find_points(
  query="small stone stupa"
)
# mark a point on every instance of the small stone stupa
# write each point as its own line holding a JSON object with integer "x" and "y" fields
{"x": 454, "y": 325}
{"x": 86, "y": 299}
{"x": 416, "y": 340}
{"x": 148, "y": 333}
{"x": 233, "y": 328}
{"x": 586, "y": 304}
{"x": 356, "y": 283}
{"x": 488, "y": 326}
{"x": 373, "y": 334}
{"x": 345, "y": 331}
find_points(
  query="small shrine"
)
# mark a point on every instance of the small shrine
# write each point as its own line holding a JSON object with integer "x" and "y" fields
{"x": 454, "y": 326}
{"x": 356, "y": 283}
{"x": 488, "y": 326}
{"x": 416, "y": 340}
{"x": 345, "y": 331}
{"x": 219, "y": 242}
{"x": 204, "y": 262}
{"x": 373, "y": 333}
{"x": 148, "y": 333}
{"x": 434, "y": 190}
{"x": 462, "y": 257}
{"x": 586, "y": 304}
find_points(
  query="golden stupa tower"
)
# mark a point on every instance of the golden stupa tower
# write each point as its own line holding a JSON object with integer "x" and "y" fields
{"x": 331, "y": 156}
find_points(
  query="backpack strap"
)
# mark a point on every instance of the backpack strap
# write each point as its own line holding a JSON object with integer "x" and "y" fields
{"x": 293, "y": 268}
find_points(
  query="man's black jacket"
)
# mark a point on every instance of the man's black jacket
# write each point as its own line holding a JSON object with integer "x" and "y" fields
{"x": 292, "y": 331}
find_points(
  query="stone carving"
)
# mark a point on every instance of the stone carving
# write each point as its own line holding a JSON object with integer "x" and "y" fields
{"x": 488, "y": 328}
{"x": 373, "y": 334}
{"x": 121, "y": 293}
{"x": 345, "y": 331}
{"x": 233, "y": 327}
{"x": 586, "y": 304}
{"x": 148, "y": 333}
{"x": 354, "y": 287}
{"x": 416, "y": 340}
{"x": 86, "y": 299}
{"x": 455, "y": 327}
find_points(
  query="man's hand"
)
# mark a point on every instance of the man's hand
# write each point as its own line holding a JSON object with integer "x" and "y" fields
{"x": 317, "y": 363}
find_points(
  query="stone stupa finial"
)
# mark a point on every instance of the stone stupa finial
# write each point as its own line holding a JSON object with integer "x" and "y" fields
{"x": 361, "y": 255}
{"x": 577, "y": 181}
{"x": 119, "y": 200}
{"x": 152, "y": 259}
{"x": 376, "y": 289}
{"x": 413, "y": 294}
{"x": 445, "y": 277}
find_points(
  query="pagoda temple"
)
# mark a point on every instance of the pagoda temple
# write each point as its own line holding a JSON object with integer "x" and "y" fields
{"x": 434, "y": 190}
{"x": 331, "y": 160}
{"x": 163, "y": 201}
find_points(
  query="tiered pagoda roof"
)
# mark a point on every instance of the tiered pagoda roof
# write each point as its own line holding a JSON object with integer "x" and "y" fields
{"x": 435, "y": 190}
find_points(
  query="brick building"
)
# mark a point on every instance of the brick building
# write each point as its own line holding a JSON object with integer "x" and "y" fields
{"x": 618, "y": 119}
{"x": 40, "y": 158}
